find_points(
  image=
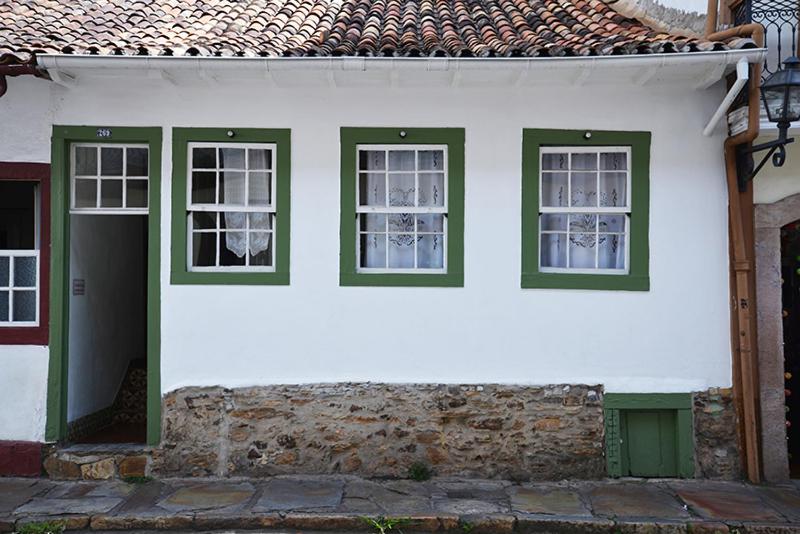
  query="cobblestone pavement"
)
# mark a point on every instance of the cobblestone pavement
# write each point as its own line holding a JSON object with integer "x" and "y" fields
{"x": 340, "y": 503}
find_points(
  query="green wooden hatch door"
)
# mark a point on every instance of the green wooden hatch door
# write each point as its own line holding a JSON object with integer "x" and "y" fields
{"x": 651, "y": 439}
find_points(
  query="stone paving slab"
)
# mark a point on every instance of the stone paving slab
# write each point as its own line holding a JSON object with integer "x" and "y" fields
{"x": 397, "y": 497}
{"x": 207, "y": 496}
{"x": 731, "y": 502}
{"x": 83, "y": 505}
{"x": 339, "y": 503}
{"x": 785, "y": 500}
{"x": 468, "y": 507}
{"x": 636, "y": 500}
{"x": 144, "y": 499}
{"x": 283, "y": 494}
{"x": 548, "y": 501}
{"x": 16, "y": 492}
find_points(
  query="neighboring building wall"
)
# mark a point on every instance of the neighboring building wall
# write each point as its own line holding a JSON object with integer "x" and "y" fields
{"x": 675, "y": 16}
{"x": 775, "y": 183}
{"x": 673, "y": 338}
{"x": 769, "y": 219}
{"x": 107, "y": 322}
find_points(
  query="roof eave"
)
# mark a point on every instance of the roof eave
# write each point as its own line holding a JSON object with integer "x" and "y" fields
{"x": 638, "y": 68}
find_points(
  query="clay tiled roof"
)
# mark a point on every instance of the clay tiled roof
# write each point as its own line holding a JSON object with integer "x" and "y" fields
{"x": 458, "y": 28}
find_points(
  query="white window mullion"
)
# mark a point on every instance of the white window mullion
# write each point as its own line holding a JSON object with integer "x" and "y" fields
{"x": 98, "y": 188}
{"x": 246, "y": 236}
{"x": 386, "y": 187}
{"x": 11, "y": 289}
{"x": 414, "y": 243}
{"x": 569, "y": 181}
{"x": 597, "y": 242}
{"x": 38, "y": 285}
{"x": 124, "y": 177}
{"x": 219, "y": 237}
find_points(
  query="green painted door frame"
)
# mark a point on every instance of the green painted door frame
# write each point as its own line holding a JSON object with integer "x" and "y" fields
{"x": 63, "y": 136}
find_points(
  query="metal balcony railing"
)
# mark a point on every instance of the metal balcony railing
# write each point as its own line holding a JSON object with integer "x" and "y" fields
{"x": 780, "y": 21}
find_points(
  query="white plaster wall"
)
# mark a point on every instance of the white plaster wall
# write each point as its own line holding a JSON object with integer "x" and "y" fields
{"x": 23, "y": 369}
{"x": 106, "y": 329}
{"x": 691, "y": 6}
{"x": 673, "y": 338}
{"x": 23, "y": 392}
{"x": 30, "y": 102}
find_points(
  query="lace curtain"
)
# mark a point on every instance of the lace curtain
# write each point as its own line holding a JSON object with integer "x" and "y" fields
{"x": 234, "y": 185}
{"x": 394, "y": 241}
{"x": 584, "y": 182}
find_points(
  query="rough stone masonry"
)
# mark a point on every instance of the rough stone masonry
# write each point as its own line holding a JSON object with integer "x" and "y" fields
{"x": 494, "y": 431}
{"x": 379, "y": 430}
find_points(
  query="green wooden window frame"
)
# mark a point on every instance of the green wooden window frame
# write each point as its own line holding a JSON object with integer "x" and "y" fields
{"x": 453, "y": 138}
{"x": 616, "y": 405}
{"x": 62, "y": 137}
{"x": 181, "y": 137}
{"x": 637, "y": 278}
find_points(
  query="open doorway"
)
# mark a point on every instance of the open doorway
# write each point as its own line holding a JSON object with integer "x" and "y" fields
{"x": 107, "y": 285}
{"x": 790, "y": 271}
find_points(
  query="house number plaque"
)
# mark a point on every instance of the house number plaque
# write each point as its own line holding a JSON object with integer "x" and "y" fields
{"x": 104, "y": 132}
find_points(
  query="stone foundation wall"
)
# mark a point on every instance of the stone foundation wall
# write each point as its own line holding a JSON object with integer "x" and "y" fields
{"x": 494, "y": 431}
{"x": 716, "y": 451}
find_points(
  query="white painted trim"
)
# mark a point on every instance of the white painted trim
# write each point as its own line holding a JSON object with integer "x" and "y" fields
{"x": 74, "y": 61}
{"x": 742, "y": 75}
{"x": 683, "y": 67}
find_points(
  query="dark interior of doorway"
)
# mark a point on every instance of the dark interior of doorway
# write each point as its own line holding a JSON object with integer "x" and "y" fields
{"x": 108, "y": 318}
{"x": 790, "y": 262}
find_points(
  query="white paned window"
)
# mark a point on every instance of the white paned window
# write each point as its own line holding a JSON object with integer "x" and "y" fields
{"x": 401, "y": 208}
{"x": 109, "y": 178}
{"x": 231, "y": 205}
{"x": 584, "y": 209}
{"x": 19, "y": 287}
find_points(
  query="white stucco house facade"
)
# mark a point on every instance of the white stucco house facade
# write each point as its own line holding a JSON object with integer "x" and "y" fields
{"x": 496, "y": 265}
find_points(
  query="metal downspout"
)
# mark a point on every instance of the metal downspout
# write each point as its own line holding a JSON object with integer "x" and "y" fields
{"x": 742, "y": 261}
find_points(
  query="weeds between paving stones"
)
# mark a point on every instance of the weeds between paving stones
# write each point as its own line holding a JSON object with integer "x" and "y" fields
{"x": 466, "y": 526}
{"x": 382, "y": 525}
{"x": 41, "y": 527}
{"x": 419, "y": 472}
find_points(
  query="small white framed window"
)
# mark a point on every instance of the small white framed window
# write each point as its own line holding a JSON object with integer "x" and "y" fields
{"x": 109, "y": 178}
{"x": 19, "y": 287}
{"x": 401, "y": 208}
{"x": 231, "y": 207}
{"x": 584, "y": 209}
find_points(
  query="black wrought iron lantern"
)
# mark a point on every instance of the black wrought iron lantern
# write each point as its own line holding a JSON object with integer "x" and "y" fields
{"x": 781, "y": 95}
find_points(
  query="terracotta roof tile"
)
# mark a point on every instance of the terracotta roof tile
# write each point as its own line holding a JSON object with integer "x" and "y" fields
{"x": 458, "y": 28}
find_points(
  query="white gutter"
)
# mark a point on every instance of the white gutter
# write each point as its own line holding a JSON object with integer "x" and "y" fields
{"x": 742, "y": 75}
{"x": 195, "y": 63}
